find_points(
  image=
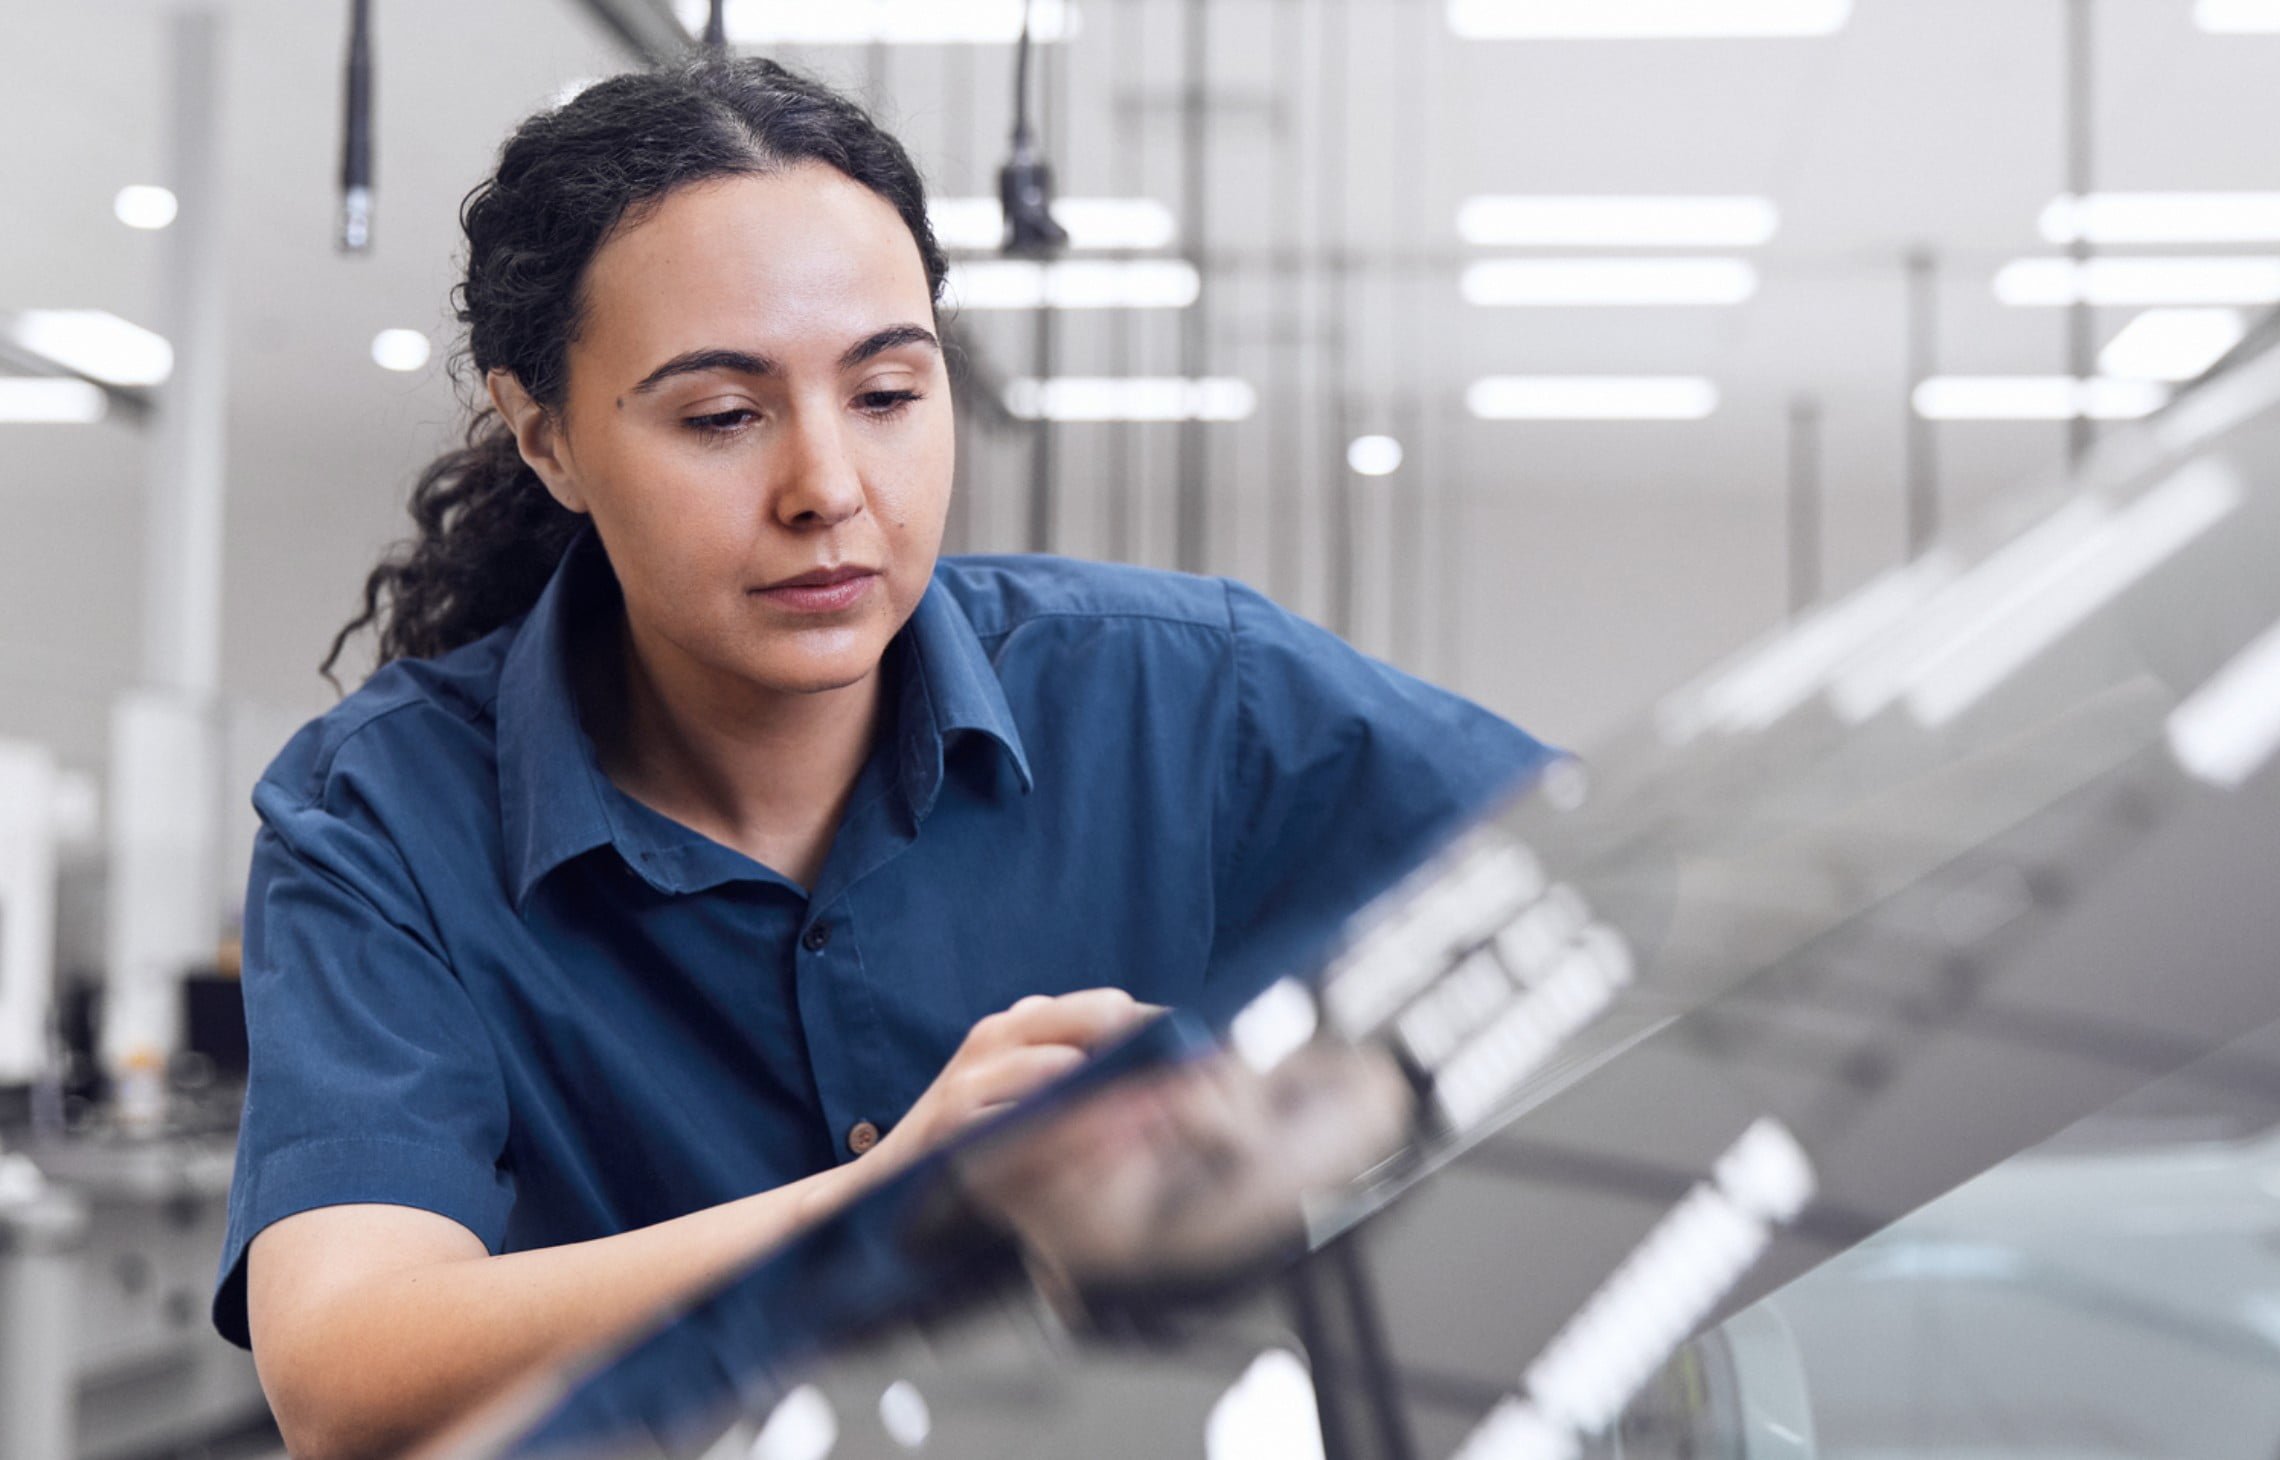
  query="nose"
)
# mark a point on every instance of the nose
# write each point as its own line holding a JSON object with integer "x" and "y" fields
{"x": 820, "y": 484}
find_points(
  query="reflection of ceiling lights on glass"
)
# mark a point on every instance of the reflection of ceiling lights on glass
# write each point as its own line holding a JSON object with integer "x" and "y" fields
{"x": 96, "y": 344}
{"x": 1672, "y": 222}
{"x": 2126, "y": 281}
{"x": 2230, "y": 726}
{"x": 144, "y": 205}
{"x": 1374, "y": 456}
{"x": 400, "y": 349}
{"x": 979, "y": 223}
{"x": 2172, "y": 344}
{"x": 2162, "y": 218}
{"x": 28, "y": 399}
{"x": 894, "y": 22}
{"x": 1549, "y": 283}
{"x": 1131, "y": 398}
{"x": 2248, "y": 17}
{"x": 1073, "y": 284}
{"x": 2035, "y": 398}
{"x": 1644, "y": 19}
{"x": 1591, "y": 398}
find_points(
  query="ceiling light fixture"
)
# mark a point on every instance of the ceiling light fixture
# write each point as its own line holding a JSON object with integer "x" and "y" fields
{"x": 2050, "y": 282}
{"x": 1554, "y": 283}
{"x": 978, "y": 224}
{"x": 2035, "y": 398}
{"x": 2172, "y": 344}
{"x": 145, "y": 205}
{"x": 1592, "y": 398}
{"x": 96, "y": 344}
{"x": 1131, "y": 398}
{"x": 32, "y": 399}
{"x": 1669, "y": 222}
{"x": 403, "y": 350}
{"x": 890, "y": 22}
{"x": 1645, "y": 19}
{"x": 2162, "y": 218}
{"x": 1073, "y": 284}
{"x": 1374, "y": 456}
{"x": 2238, "y": 17}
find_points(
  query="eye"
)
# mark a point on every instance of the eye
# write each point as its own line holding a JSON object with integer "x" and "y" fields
{"x": 721, "y": 423}
{"x": 884, "y": 403}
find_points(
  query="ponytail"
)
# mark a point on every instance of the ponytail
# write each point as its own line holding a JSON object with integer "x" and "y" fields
{"x": 489, "y": 536}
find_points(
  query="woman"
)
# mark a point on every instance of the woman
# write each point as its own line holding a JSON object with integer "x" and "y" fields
{"x": 704, "y": 849}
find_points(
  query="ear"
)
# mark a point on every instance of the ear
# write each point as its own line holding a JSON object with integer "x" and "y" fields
{"x": 538, "y": 436}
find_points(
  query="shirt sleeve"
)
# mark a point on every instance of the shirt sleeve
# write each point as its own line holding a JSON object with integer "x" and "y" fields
{"x": 371, "y": 1077}
{"x": 1344, "y": 774}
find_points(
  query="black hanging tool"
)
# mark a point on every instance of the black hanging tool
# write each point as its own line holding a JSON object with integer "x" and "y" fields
{"x": 716, "y": 28}
{"x": 356, "y": 134}
{"x": 1025, "y": 183}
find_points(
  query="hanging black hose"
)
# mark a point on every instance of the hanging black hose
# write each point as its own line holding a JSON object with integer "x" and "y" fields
{"x": 356, "y": 134}
{"x": 1025, "y": 183}
{"x": 716, "y": 28}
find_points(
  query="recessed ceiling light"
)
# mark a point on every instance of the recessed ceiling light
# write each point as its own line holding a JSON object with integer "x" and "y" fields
{"x": 1680, "y": 222}
{"x": 400, "y": 349}
{"x": 2246, "y": 17}
{"x": 2035, "y": 398}
{"x": 1592, "y": 398}
{"x": 1374, "y": 456}
{"x": 2139, "y": 281}
{"x": 145, "y": 205}
{"x": 27, "y": 399}
{"x": 893, "y": 22}
{"x": 97, "y": 344}
{"x": 1131, "y": 398}
{"x": 1579, "y": 282}
{"x": 2162, "y": 218}
{"x": 979, "y": 223}
{"x": 1073, "y": 284}
{"x": 1644, "y": 19}
{"x": 2172, "y": 344}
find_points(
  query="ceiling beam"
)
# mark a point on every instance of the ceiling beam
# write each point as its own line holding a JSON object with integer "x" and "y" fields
{"x": 647, "y": 28}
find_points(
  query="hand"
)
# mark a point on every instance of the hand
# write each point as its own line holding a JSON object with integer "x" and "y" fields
{"x": 1003, "y": 1058}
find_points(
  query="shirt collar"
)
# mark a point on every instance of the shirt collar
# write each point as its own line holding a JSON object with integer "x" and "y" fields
{"x": 554, "y": 800}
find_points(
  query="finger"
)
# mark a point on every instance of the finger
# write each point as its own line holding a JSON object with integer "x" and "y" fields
{"x": 1084, "y": 1019}
{"x": 1010, "y": 1074}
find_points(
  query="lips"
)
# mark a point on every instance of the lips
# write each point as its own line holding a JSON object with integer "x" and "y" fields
{"x": 821, "y": 590}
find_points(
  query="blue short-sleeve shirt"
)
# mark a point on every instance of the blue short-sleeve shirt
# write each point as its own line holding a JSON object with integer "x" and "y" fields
{"x": 483, "y": 981}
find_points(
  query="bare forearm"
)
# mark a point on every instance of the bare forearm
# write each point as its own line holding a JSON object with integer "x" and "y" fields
{"x": 397, "y": 1355}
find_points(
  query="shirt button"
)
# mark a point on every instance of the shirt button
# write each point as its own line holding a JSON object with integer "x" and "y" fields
{"x": 862, "y": 1136}
{"x": 816, "y": 938}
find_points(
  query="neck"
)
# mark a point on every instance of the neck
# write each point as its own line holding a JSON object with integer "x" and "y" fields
{"x": 768, "y": 772}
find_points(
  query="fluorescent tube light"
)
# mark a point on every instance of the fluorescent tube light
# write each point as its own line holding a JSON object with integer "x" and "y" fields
{"x": 1374, "y": 456}
{"x": 2129, "y": 545}
{"x": 2231, "y": 726}
{"x": 2238, "y": 17}
{"x": 1104, "y": 223}
{"x": 893, "y": 22}
{"x": 2172, "y": 344}
{"x": 1577, "y": 282}
{"x": 144, "y": 205}
{"x": 400, "y": 349}
{"x": 1073, "y": 284}
{"x": 2162, "y": 218}
{"x": 35, "y": 399}
{"x": 1591, "y": 398}
{"x": 93, "y": 343}
{"x": 2035, "y": 398}
{"x": 1670, "y": 222}
{"x": 1644, "y": 19}
{"x": 2128, "y": 281}
{"x": 1131, "y": 398}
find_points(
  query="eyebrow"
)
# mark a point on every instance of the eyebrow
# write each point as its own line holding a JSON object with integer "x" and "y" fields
{"x": 744, "y": 362}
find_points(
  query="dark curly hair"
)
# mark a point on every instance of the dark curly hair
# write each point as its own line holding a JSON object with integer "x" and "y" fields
{"x": 488, "y": 535}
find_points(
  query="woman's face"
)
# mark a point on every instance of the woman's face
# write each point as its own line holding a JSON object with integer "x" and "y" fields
{"x": 758, "y": 420}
